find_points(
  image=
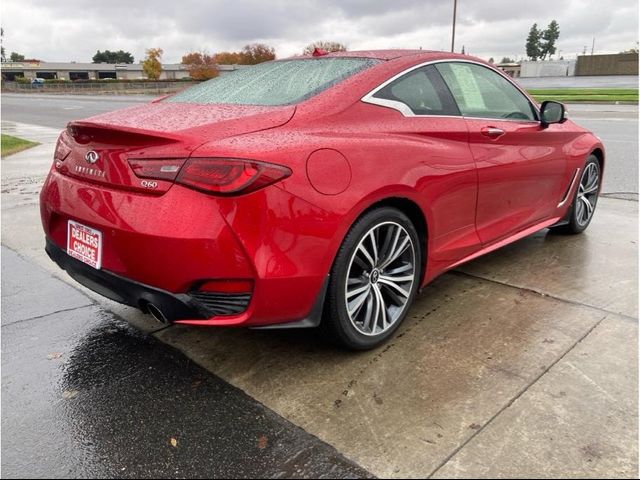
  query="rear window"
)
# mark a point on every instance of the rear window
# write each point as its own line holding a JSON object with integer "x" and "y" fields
{"x": 281, "y": 82}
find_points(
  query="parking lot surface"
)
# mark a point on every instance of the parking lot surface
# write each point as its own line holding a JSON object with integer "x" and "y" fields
{"x": 522, "y": 363}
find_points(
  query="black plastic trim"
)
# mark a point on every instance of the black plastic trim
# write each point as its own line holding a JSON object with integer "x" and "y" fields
{"x": 126, "y": 291}
{"x": 312, "y": 320}
{"x": 220, "y": 303}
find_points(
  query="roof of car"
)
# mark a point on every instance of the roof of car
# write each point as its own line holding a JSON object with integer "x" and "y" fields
{"x": 391, "y": 54}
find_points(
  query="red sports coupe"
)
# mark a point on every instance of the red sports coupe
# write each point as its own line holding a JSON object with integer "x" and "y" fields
{"x": 321, "y": 190}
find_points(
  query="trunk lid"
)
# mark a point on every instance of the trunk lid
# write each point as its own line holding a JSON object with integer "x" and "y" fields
{"x": 100, "y": 147}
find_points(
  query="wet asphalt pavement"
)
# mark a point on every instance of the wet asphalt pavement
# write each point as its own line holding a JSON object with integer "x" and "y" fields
{"x": 84, "y": 394}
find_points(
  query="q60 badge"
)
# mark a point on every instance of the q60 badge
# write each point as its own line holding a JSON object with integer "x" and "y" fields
{"x": 148, "y": 184}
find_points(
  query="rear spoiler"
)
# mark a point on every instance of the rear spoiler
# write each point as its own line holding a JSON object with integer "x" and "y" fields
{"x": 83, "y": 131}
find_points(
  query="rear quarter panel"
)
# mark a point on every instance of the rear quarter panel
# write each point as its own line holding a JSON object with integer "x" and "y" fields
{"x": 431, "y": 166}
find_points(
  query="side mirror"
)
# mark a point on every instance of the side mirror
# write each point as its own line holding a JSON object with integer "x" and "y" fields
{"x": 552, "y": 112}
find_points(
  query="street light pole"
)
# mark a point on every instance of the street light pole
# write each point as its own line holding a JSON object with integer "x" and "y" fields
{"x": 453, "y": 31}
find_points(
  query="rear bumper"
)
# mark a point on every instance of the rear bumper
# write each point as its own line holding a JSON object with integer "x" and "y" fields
{"x": 126, "y": 291}
{"x": 179, "y": 308}
{"x": 159, "y": 249}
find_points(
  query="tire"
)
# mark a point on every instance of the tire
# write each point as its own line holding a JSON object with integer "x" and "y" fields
{"x": 583, "y": 206}
{"x": 371, "y": 277}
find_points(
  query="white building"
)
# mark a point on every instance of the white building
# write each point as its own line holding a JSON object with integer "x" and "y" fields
{"x": 548, "y": 68}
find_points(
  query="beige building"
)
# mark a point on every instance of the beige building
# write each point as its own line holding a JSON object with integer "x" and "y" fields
{"x": 93, "y": 71}
{"x": 617, "y": 64}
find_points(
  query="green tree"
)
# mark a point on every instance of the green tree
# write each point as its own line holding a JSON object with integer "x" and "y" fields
{"x": 324, "y": 45}
{"x": 151, "y": 65}
{"x": 507, "y": 60}
{"x": 112, "y": 57}
{"x": 533, "y": 43}
{"x": 549, "y": 37}
{"x": 16, "y": 57}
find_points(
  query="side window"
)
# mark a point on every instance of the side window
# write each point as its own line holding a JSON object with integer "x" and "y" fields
{"x": 481, "y": 92}
{"x": 423, "y": 91}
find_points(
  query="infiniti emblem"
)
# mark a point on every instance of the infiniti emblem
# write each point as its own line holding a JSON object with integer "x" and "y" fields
{"x": 375, "y": 276}
{"x": 92, "y": 157}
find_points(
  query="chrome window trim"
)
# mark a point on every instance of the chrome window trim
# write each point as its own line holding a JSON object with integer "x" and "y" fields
{"x": 407, "y": 112}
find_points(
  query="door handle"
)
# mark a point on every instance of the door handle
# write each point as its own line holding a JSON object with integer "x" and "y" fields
{"x": 492, "y": 132}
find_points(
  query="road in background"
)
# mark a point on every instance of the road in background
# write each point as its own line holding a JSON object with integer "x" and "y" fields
{"x": 616, "y": 125}
{"x": 56, "y": 111}
{"x": 608, "y": 81}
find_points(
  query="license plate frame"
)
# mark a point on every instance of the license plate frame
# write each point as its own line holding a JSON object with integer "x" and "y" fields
{"x": 84, "y": 243}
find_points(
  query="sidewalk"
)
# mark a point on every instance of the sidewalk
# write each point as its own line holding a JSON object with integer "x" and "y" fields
{"x": 86, "y": 395}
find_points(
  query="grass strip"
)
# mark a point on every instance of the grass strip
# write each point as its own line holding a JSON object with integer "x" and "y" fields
{"x": 10, "y": 145}
{"x": 586, "y": 94}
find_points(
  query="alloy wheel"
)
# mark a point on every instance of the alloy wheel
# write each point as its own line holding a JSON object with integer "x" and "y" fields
{"x": 587, "y": 194}
{"x": 380, "y": 278}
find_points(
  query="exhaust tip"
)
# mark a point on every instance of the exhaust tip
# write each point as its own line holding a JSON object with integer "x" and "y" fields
{"x": 156, "y": 313}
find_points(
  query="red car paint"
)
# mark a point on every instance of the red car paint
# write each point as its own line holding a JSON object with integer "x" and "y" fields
{"x": 474, "y": 193}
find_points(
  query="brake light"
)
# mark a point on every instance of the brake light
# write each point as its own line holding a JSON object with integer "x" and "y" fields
{"x": 217, "y": 176}
{"x": 229, "y": 176}
{"x": 62, "y": 149}
{"x": 157, "y": 169}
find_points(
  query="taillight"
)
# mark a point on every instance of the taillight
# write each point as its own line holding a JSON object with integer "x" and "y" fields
{"x": 165, "y": 169}
{"x": 217, "y": 176}
{"x": 62, "y": 149}
{"x": 229, "y": 176}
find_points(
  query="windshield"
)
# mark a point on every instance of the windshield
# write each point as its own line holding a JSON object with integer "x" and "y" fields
{"x": 281, "y": 82}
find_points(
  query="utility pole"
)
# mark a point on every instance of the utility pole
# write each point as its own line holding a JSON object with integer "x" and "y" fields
{"x": 453, "y": 31}
{"x": 593, "y": 45}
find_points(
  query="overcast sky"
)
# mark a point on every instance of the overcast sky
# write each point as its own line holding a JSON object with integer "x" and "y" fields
{"x": 70, "y": 30}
